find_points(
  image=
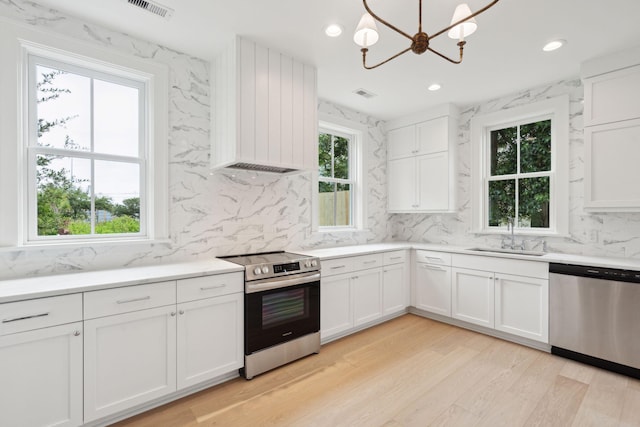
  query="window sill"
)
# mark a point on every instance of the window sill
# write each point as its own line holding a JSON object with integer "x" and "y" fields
{"x": 40, "y": 246}
{"x": 330, "y": 230}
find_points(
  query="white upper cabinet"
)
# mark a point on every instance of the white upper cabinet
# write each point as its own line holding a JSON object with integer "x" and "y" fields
{"x": 612, "y": 132}
{"x": 265, "y": 109}
{"x": 421, "y": 162}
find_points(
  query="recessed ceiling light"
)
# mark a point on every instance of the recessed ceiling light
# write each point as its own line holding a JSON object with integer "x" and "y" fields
{"x": 333, "y": 30}
{"x": 434, "y": 87}
{"x": 553, "y": 45}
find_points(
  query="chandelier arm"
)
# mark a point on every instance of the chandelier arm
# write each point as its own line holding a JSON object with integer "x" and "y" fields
{"x": 473, "y": 15}
{"x": 364, "y": 58}
{"x": 460, "y": 44}
{"x": 382, "y": 21}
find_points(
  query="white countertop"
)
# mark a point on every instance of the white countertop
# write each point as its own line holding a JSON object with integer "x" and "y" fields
{"x": 44, "y": 286}
{"x": 603, "y": 262}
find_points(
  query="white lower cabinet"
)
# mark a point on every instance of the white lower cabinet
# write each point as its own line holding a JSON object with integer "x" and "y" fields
{"x": 522, "y": 306}
{"x": 336, "y": 313}
{"x": 129, "y": 359}
{"x": 42, "y": 377}
{"x": 359, "y": 290}
{"x": 472, "y": 296}
{"x": 209, "y": 338}
{"x": 504, "y": 294}
{"x": 367, "y": 296}
{"x": 394, "y": 289}
{"x": 432, "y": 282}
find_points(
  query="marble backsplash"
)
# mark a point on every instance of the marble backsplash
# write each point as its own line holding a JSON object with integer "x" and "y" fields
{"x": 598, "y": 234}
{"x": 220, "y": 214}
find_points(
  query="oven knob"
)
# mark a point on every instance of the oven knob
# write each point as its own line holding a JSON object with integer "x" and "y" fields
{"x": 314, "y": 263}
{"x": 257, "y": 271}
{"x": 265, "y": 269}
{"x": 307, "y": 264}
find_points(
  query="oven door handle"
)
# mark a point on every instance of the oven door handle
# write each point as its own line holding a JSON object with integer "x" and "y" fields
{"x": 278, "y": 282}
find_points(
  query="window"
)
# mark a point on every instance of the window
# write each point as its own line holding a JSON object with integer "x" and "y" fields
{"x": 519, "y": 175}
{"x": 335, "y": 181}
{"x": 339, "y": 204}
{"x": 86, "y": 152}
{"x": 520, "y": 169}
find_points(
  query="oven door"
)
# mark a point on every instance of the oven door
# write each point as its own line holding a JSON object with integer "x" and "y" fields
{"x": 280, "y": 314}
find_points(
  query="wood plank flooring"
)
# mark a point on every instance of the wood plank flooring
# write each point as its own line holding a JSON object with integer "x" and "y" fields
{"x": 413, "y": 371}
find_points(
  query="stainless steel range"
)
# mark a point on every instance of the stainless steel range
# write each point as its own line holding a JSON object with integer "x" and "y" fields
{"x": 281, "y": 309}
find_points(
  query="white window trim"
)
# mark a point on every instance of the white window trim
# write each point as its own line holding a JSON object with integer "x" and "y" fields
{"x": 558, "y": 110}
{"x": 358, "y": 133}
{"x": 16, "y": 43}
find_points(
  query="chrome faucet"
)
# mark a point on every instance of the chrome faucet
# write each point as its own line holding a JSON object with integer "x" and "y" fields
{"x": 511, "y": 224}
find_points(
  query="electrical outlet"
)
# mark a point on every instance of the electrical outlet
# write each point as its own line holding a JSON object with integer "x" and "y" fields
{"x": 593, "y": 236}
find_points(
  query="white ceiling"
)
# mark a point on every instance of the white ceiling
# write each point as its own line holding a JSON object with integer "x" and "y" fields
{"x": 503, "y": 56}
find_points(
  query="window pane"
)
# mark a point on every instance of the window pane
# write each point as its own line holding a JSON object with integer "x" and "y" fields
{"x": 326, "y": 204}
{"x": 116, "y": 118}
{"x": 343, "y": 204}
{"x": 535, "y": 147}
{"x": 341, "y": 158}
{"x": 64, "y": 202}
{"x": 117, "y": 197}
{"x": 534, "y": 202}
{"x": 63, "y": 109}
{"x": 504, "y": 151}
{"x": 502, "y": 195}
{"x": 324, "y": 154}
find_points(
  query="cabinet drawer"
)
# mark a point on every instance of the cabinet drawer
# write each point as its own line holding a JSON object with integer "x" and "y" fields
{"x": 395, "y": 257}
{"x": 365, "y": 262}
{"x": 210, "y": 286}
{"x": 430, "y": 257}
{"x": 40, "y": 313}
{"x": 127, "y": 299}
{"x": 335, "y": 266}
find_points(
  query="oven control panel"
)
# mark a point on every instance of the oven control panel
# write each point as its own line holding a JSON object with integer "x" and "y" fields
{"x": 285, "y": 268}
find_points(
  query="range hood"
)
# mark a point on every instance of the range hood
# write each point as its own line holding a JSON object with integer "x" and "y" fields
{"x": 265, "y": 113}
{"x": 260, "y": 168}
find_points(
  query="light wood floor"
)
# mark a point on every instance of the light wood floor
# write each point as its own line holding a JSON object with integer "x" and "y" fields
{"x": 413, "y": 371}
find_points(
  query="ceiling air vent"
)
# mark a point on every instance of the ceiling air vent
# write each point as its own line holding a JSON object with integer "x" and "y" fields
{"x": 364, "y": 93}
{"x": 152, "y": 7}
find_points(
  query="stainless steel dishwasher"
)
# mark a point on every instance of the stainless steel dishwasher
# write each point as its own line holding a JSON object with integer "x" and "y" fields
{"x": 595, "y": 316}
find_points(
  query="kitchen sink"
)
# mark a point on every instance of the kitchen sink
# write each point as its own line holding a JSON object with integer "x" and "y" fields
{"x": 508, "y": 251}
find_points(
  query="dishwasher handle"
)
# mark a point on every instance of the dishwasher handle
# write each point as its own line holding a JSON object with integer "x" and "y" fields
{"x": 594, "y": 272}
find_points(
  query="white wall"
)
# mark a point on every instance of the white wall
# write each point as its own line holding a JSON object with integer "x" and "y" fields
{"x": 209, "y": 215}
{"x": 612, "y": 234}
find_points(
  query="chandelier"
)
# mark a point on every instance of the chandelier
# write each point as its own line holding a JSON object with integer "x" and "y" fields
{"x": 462, "y": 25}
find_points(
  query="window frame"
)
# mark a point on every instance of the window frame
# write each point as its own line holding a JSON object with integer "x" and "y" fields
{"x": 17, "y": 42}
{"x": 348, "y": 181}
{"x": 357, "y": 168}
{"x": 34, "y": 149}
{"x": 557, "y": 110}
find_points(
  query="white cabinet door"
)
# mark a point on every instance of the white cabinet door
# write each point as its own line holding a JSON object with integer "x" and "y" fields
{"x": 432, "y": 136}
{"x": 336, "y": 314}
{"x": 611, "y": 166}
{"x": 367, "y": 296}
{"x": 394, "y": 289}
{"x": 402, "y": 184}
{"x": 209, "y": 338}
{"x": 129, "y": 359}
{"x": 401, "y": 142}
{"x": 522, "y": 306}
{"x": 433, "y": 288}
{"x": 473, "y": 296}
{"x": 433, "y": 182}
{"x": 42, "y": 377}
